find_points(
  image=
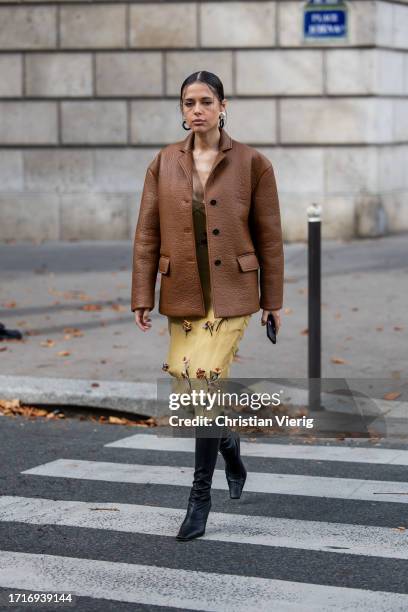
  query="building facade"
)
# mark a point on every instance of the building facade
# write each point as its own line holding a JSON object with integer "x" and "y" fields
{"x": 89, "y": 94}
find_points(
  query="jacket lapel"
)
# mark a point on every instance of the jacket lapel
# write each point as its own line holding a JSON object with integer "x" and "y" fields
{"x": 186, "y": 160}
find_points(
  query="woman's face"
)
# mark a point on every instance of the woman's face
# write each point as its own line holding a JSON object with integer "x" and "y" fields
{"x": 201, "y": 104}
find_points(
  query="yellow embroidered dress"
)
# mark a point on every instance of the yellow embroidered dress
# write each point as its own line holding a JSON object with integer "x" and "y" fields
{"x": 201, "y": 349}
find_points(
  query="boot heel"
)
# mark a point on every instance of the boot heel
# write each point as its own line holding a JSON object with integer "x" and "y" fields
{"x": 235, "y": 471}
{"x": 236, "y": 485}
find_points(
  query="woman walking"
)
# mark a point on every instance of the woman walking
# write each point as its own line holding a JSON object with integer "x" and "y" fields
{"x": 209, "y": 220}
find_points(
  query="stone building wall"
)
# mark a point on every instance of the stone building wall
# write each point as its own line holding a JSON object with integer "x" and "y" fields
{"x": 89, "y": 94}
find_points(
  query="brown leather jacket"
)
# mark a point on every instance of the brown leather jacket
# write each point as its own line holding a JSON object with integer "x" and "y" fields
{"x": 243, "y": 231}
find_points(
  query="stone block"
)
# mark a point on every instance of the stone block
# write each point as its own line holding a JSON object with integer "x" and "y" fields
{"x": 29, "y": 216}
{"x": 396, "y": 208}
{"x": 364, "y": 71}
{"x": 252, "y": 121}
{"x": 237, "y": 24}
{"x": 297, "y": 170}
{"x": 400, "y": 120}
{"x": 11, "y": 75}
{"x": 351, "y": 170}
{"x": 58, "y": 170}
{"x": 156, "y": 122}
{"x": 121, "y": 170}
{"x": 180, "y": 65}
{"x": 163, "y": 25}
{"x": 95, "y": 216}
{"x": 129, "y": 74}
{"x": 11, "y": 170}
{"x": 400, "y": 21}
{"x": 384, "y": 16}
{"x": 350, "y": 71}
{"x": 28, "y": 27}
{"x": 59, "y": 74}
{"x": 336, "y": 120}
{"x": 392, "y": 168}
{"x": 338, "y": 217}
{"x": 289, "y": 72}
{"x": 94, "y": 122}
{"x": 93, "y": 26}
{"x": 405, "y": 78}
{"x": 28, "y": 123}
{"x": 371, "y": 218}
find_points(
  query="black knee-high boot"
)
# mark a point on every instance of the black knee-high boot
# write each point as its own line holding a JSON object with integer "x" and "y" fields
{"x": 234, "y": 468}
{"x": 199, "y": 501}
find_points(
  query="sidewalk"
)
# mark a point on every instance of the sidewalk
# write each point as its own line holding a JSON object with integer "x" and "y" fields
{"x": 71, "y": 301}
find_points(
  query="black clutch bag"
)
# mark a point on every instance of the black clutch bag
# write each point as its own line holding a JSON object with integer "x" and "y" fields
{"x": 271, "y": 328}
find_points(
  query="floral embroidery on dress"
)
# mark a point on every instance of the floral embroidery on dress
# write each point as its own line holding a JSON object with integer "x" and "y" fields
{"x": 187, "y": 326}
{"x": 185, "y": 373}
{"x": 217, "y": 324}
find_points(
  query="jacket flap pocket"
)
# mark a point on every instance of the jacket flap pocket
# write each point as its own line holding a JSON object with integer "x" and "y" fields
{"x": 248, "y": 261}
{"x": 164, "y": 263}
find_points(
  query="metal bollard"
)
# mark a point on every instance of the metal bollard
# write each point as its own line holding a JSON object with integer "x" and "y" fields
{"x": 314, "y": 306}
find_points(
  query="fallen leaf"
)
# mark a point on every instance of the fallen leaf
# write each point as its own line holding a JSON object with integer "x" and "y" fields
{"x": 10, "y": 304}
{"x": 287, "y": 310}
{"x": 91, "y": 307}
{"x": 398, "y": 328}
{"x": 338, "y": 360}
{"x": 63, "y": 353}
{"x": 47, "y": 343}
{"x": 391, "y": 395}
{"x": 119, "y": 307}
{"x": 305, "y": 332}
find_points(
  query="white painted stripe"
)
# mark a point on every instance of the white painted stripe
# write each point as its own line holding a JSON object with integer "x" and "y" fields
{"x": 195, "y": 590}
{"x": 238, "y": 528}
{"x": 278, "y": 451}
{"x": 260, "y": 482}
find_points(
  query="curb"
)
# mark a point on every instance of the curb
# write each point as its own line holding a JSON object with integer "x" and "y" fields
{"x": 136, "y": 398}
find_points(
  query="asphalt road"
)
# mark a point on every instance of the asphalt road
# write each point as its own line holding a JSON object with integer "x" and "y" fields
{"x": 315, "y": 528}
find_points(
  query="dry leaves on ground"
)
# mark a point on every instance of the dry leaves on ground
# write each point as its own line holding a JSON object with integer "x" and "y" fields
{"x": 391, "y": 395}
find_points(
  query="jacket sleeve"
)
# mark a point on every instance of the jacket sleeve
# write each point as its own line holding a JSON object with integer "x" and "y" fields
{"x": 146, "y": 246}
{"x": 266, "y": 231}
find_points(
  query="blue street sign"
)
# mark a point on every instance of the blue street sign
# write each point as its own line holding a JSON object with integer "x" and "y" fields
{"x": 325, "y": 19}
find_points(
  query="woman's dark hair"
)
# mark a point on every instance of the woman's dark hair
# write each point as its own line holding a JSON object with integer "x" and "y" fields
{"x": 209, "y": 78}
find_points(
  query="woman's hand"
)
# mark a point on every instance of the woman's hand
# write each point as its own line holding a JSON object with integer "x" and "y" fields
{"x": 276, "y": 316}
{"x": 142, "y": 318}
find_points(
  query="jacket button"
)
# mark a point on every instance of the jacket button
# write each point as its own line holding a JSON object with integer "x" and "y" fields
{"x": 217, "y": 262}
{"x": 216, "y": 231}
{"x": 213, "y": 202}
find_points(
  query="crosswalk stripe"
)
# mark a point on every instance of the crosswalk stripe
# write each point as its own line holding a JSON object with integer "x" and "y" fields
{"x": 258, "y": 482}
{"x": 195, "y": 590}
{"x": 278, "y": 451}
{"x": 223, "y": 527}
